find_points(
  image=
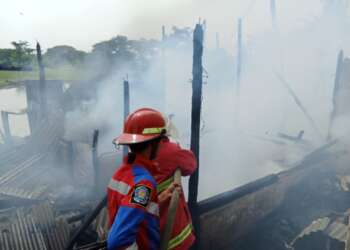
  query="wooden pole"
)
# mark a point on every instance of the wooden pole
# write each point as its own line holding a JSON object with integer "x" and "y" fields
{"x": 197, "y": 72}
{"x": 162, "y": 85}
{"x": 95, "y": 162}
{"x": 163, "y": 34}
{"x": 238, "y": 74}
{"x": 6, "y": 126}
{"x": 126, "y": 106}
{"x": 239, "y": 54}
{"x": 174, "y": 202}
{"x": 42, "y": 84}
{"x": 273, "y": 13}
{"x": 338, "y": 74}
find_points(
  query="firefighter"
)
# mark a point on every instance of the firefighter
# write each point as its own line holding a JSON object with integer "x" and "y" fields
{"x": 132, "y": 192}
{"x": 170, "y": 157}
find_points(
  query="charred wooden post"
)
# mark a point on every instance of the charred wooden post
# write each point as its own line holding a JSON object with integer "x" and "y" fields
{"x": 162, "y": 67}
{"x": 6, "y": 126}
{"x": 338, "y": 74}
{"x": 89, "y": 219}
{"x": 42, "y": 84}
{"x": 95, "y": 161}
{"x": 197, "y": 72}
{"x": 238, "y": 73}
{"x": 204, "y": 28}
{"x": 239, "y": 55}
{"x": 163, "y": 34}
{"x": 70, "y": 158}
{"x": 126, "y": 106}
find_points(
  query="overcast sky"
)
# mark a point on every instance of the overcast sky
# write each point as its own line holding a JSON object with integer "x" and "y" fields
{"x": 82, "y": 23}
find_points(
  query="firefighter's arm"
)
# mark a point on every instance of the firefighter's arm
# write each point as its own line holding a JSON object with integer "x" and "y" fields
{"x": 186, "y": 161}
{"x": 129, "y": 217}
{"x": 124, "y": 229}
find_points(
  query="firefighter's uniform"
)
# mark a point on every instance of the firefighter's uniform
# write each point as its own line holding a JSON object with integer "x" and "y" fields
{"x": 170, "y": 157}
{"x": 133, "y": 207}
{"x": 132, "y": 192}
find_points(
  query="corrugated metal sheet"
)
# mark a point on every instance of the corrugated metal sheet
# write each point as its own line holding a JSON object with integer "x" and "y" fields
{"x": 317, "y": 225}
{"x": 23, "y": 167}
{"x": 337, "y": 231}
{"x": 334, "y": 228}
{"x": 34, "y": 228}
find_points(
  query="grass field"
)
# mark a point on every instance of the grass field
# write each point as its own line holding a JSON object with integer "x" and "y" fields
{"x": 66, "y": 73}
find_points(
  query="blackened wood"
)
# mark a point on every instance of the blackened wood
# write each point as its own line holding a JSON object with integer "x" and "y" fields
{"x": 338, "y": 73}
{"x": 238, "y": 74}
{"x": 42, "y": 83}
{"x": 126, "y": 106}
{"x": 89, "y": 219}
{"x": 197, "y": 72}
{"x": 95, "y": 161}
{"x": 239, "y": 54}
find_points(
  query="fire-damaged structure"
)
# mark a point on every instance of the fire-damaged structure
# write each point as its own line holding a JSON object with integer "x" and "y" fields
{"x": 304, "y": 207}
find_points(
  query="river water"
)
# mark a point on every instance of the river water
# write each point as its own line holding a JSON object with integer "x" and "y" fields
{"x": 14, "y": 99}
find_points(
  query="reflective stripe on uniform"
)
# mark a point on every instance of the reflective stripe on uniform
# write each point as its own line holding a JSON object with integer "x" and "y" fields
{"x": 153, "y": 208}
{"x": 165, "y": 184}
{"x": 147, "y": 131}
{"x": 177, "y": 240}
{"x": 119, "y": 186}
{"x": 133, "y": 247}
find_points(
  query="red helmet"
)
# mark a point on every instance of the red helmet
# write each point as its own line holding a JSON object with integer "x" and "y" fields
{"x": 142, "y": 125}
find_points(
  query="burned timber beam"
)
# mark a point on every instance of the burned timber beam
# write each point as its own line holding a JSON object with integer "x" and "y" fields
{"x": 339, "y": 71}
{"x": 197, "y": 72}
{"x": 42, "y": 83}
{"x": 126, "y": 105}
{"x": 90, "y": 218}
{"x": 94, "y": 152}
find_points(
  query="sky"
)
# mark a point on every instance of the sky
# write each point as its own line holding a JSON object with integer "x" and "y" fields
{"x": 82, "y": 23}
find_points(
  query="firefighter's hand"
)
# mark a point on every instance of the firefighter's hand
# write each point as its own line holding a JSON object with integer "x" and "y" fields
{"x": 167, "y": 193}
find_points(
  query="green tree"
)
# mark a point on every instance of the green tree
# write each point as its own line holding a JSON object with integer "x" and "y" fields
{"x": 22, "y": 56}
{"x": 119, "y": 52}
{"x": 63, "y": 54}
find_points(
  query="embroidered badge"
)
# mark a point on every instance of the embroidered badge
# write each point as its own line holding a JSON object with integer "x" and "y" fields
{"x": 141, "y": 195}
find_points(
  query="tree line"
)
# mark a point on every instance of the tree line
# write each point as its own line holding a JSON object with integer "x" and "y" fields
{"x": 107, "y": 54}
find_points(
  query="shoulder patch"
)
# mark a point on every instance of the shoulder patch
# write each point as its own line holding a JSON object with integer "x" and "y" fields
{"x": 141, "y": 195}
